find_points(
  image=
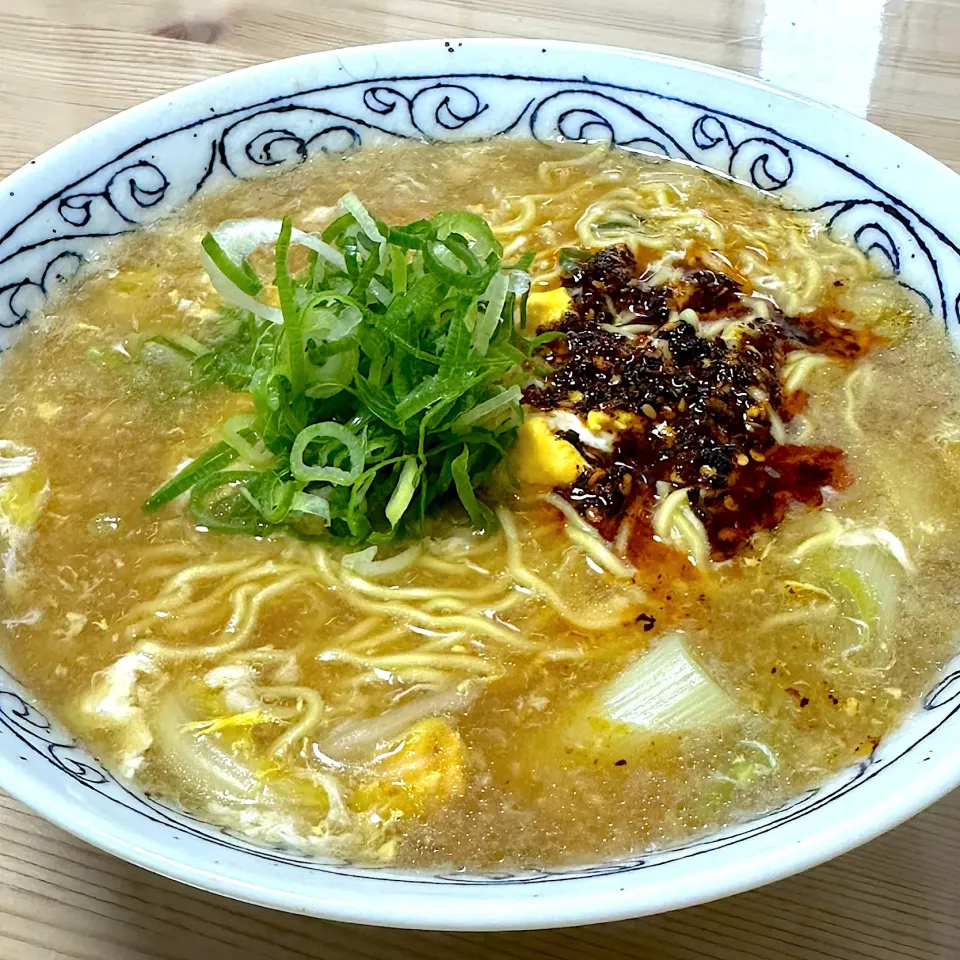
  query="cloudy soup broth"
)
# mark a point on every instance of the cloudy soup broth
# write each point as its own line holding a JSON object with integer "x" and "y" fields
{"x": 509, "y": 503}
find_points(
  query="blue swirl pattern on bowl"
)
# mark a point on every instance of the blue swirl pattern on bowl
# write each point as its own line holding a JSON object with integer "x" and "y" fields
{"x": 44, "y": 249}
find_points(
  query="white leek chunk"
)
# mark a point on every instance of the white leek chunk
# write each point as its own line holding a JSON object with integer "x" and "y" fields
{"x": 666, "y": 691}
{"x": 862, "y": 569}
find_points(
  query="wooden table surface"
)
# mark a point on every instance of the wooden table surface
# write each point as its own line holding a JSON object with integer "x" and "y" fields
{"x": 66, "y": 63}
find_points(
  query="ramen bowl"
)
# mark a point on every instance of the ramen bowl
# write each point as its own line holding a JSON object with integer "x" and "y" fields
{"x": 897, "y": 204}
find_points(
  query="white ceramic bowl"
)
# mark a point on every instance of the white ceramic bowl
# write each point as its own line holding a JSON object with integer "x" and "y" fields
{"x": 898, "y": 204}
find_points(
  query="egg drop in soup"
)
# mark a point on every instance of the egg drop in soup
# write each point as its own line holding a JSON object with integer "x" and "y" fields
{"x": 460, "y": 506}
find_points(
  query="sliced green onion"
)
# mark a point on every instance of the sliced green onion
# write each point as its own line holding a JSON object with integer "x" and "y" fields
{"x": 248, "y": 284}
{"x": 331, "y": 317}
{"x": 404, "y": 491}
{"x": 292, "y": 314}
{"x": 381, "y": 374}
{"x": 489, "y": 320}
{"x": 480, "y": 515}
{"x": 456, "y": 264}
{"x": 273, "y": 497}
{"x": 412, "y": 236}
{"x": 398, "y": 271}
{"x": 15, "y": 458}
{"x": 225, "y": 284}
{"x": 210, "y": 461}
{"x": 311, "y": 503}
{"x": 382, "y": 294}
{"x": 349, "y": 203}
{"x": 569, "y": 258}
{"x": 333, "y": 375}
{"x": 519, "y": 282}
{"x": 326, "y": 474}
{"x": 399, "y": 322}
{"x": 506, "y": 398}
{"x": 224, "y": 255}
{"x": 753, "y": 761}
{"x": 666, "y": 691}
{"x": 180, "y": 342}
{"x": 239, "y": 238}
{"x": 237, "y": 514}
{"x": 520, "y": 266}
{"x": 473, "y": 228}
{"x": 863, "y": 575}
{"x": 235, "y": 432}
{"x": 876, "y": 536}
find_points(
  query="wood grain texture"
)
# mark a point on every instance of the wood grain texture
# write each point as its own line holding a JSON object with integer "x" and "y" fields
{"x": 65, "y": 64}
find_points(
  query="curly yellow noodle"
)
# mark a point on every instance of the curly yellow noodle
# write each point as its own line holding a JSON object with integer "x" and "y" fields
{"x": 798, "y": 367}
{"x": 310, "y": 707}
{"x": 245, "y": 610}
{"x": 855, "y": 388}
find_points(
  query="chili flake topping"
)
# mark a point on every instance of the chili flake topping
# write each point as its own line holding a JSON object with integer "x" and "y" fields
{"x": 689, "y": 371}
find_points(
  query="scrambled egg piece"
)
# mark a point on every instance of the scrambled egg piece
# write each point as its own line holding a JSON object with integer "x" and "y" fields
{"x": 424, "y": 773}
{"x": 565, "y": 421}
{"x": 135, "y": 280}
{"x": 544, "y": 459}
{"x": 113, "y": 703}
{"x": 598, "y": 420}
{"x": 547, "y": 309}
{"x": 150, "y": 293}
{"x": 234, "y": 721}
{"x": 23, "y": 497}
{"x": 47, "y": 411}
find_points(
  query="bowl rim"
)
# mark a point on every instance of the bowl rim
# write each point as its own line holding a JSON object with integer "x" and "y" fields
{"x": 566, "y": 904}
{"x": 267, "y": 67}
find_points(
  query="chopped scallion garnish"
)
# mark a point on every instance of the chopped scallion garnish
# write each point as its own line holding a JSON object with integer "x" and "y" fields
{"x": 386, "y": 383}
